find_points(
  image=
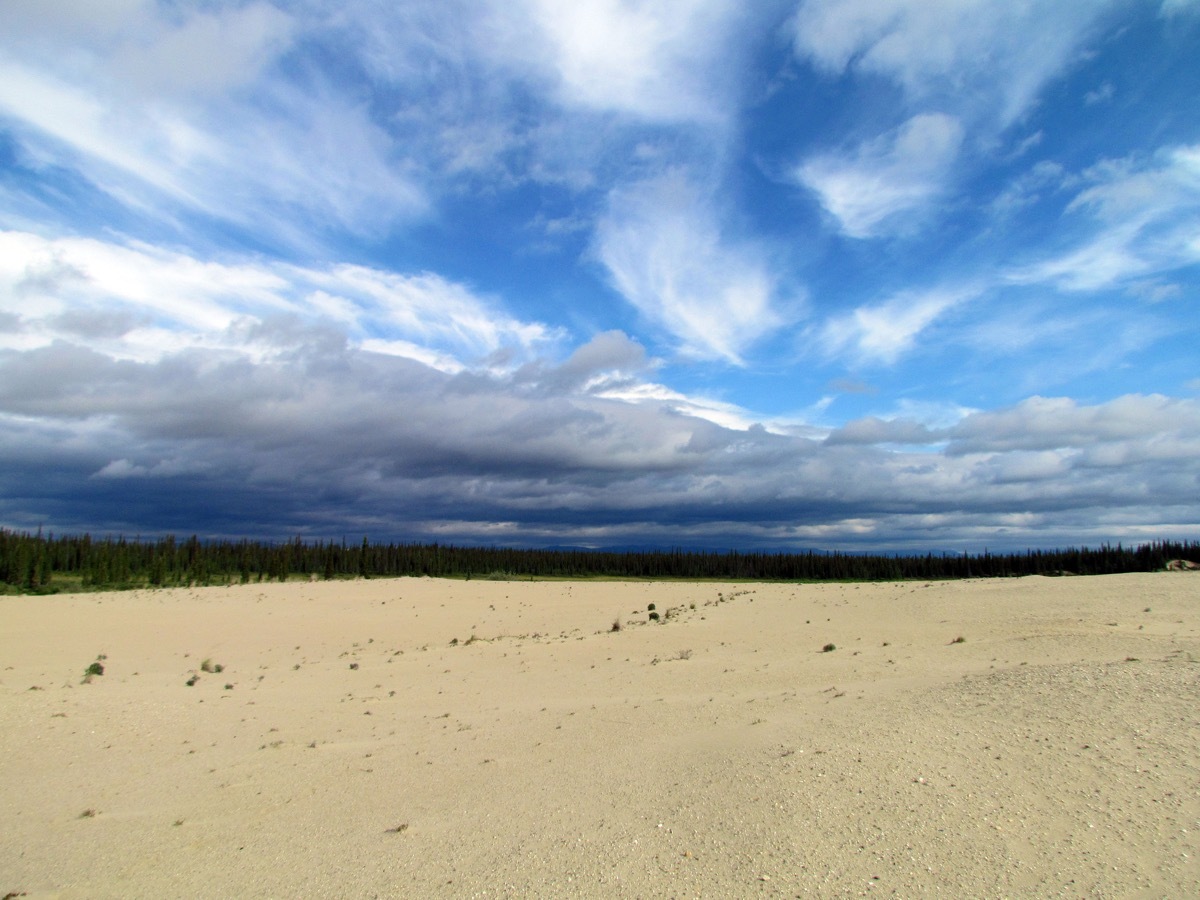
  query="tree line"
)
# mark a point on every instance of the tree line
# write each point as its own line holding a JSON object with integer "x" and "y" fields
{"x": 38, "y": 563}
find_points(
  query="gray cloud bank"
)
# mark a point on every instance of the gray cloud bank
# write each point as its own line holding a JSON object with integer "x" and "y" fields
{"x": 323, "y": 438}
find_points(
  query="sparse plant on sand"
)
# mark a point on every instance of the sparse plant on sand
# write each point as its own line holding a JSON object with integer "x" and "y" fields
{"x": 650, "y": 608}
{"x": 616, "y": 625}
{"x": 829, "y": 648}
{"x": 96, "y": 668}
{"x": 653, "y": 615}
{"x": 959, "y": 640}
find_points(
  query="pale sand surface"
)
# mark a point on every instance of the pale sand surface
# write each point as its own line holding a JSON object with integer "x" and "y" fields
{"x": 1055, "y": 752}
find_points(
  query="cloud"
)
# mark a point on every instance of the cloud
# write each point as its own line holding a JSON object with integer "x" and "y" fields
{"x": 155, "y": 301}
{"x": 1145, "y": 217}
{"x": 881, "y": 334}
{"x": 873, "y": 430}
{"x": 1102, "y": 94}
{"x": 659, "y": 61}
{"x": 322, "y": 434}
{"x": 666, "y": 254}
{"x": 161, "y": 370}
{"x": 207, "y": 53}
{"x": 275, "y": 421}
{"x": 1179, "y": 7}
{"x": 984, "y": 58}
{"x": 963, "y": 74}
{"x": 887, "y": 183}
{"x": 172, "y": 116}
{"x": 1055, "y": 423}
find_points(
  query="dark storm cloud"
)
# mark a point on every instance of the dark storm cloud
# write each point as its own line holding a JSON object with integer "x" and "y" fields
{"x": 321, "y": 438}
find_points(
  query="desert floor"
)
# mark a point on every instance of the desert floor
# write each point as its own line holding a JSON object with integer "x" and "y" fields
{"x": 426, "y": 738}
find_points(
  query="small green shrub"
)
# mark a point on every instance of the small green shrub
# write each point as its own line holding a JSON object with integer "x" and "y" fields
{"x": 653, "y": 615}
{"x": 829, "y": 648}
{"x": 96, "y": 668}
{"x": 650, "y": 608}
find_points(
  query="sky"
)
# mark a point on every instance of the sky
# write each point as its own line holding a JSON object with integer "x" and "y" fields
{"x": 890, "y": 275}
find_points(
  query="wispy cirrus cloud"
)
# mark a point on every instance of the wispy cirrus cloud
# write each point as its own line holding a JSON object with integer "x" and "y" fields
{"x": 188, "y": 114}
{"x": 885, "y": 184}
{"x": 658, "y": 61}
{"x": 171, "y": 301}
{"x": 1144, "y": 218}
{"x": 662, "y": 244}
{"x": 882, "y": 333}
{"x": 986, "y": 59}
{"x": 963, "y": 73}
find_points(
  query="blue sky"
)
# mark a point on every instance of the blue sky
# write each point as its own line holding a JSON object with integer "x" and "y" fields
{"x": 858, "y": 274}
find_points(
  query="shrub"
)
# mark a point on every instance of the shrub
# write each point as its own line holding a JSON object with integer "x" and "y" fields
{"x": 653, "y": 616}
{"x": 616, "y": 625}
{"x": 829, "y": 648}
{"x": 96, "y": 668}
{"x": 651, "y": 608}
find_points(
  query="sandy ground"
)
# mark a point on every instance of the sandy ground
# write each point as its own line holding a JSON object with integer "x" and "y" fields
{"x": 359, "y": 743}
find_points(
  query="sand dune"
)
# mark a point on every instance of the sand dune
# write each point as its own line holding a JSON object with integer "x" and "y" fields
{"x": 423, "y": 738}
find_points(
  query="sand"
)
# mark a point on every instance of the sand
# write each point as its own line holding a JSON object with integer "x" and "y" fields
{"x": 359, "y": 743}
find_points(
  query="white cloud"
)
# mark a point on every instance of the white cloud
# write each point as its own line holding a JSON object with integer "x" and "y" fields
{"x": 425, "y": 308}
{"x": 1055, "y": 423}
{"x": 885, "y": 332}
{"x": 1147, "y": 218}
{"x": 665, "y": 252}
{"x": 964, "y": 71}
{"x": 887, "y": 183}
{"x": 135, "y": 142}
{"x": 657, "y": 60}
{"x": 25, "y": 21}
{"x": 986, "y": 58}
{"x": 176, "y": 300}
{"x": 206, "y": 53}
{"x": 1102, "y": 94}
{"x": 167, "y": 115}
